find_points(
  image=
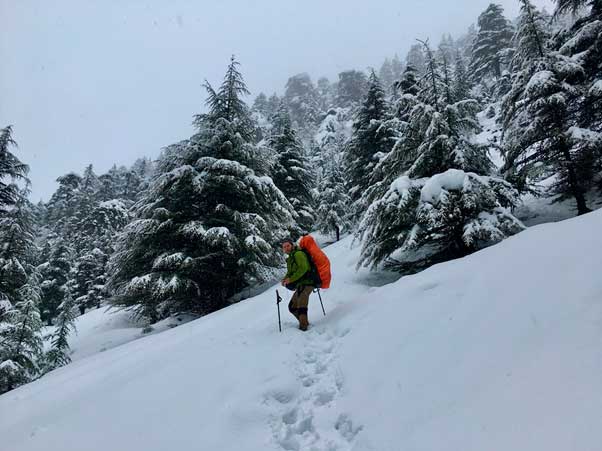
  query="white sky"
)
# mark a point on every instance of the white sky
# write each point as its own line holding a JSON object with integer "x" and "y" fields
{"x": 108, "y": 81}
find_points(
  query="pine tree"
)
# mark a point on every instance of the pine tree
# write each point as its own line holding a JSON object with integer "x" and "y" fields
{"x": 21, "y": 339}
{"x": 465, "y": 42}
{"x": 333, "y": 204}
{"x": 209, "y": 225}
{"x": 371, "y": 140}
{"x": 385, "y": 74}
{"x": 575, "y": 6}
{"x": 396, "y": 68}
{"x": 433, "y": 196}
{"x": 325, "y": 94}
{"x": 492, "y": 40}
{"x": 11, "y": 170}
{"x": 55, "y": 277}
{"x": 351, "y": 88}
{"x": 58, "y": 355}
{"x": 531, "y": 38}
{"x": 273, "y": 105}
{"x": 302, "y": 101}
{"x": 330, "y": 140}
{"x": 291, "y": 173}
{"x": 227, "y": 103}
{"x": 408, "y": 83}
{"x": 447, "y": 127}
{"x": 260, "y": 104}
{"x": 461, "y": 85}
{"x": 541, "y": 127}
{"x": 89, "y": 279}
{"x": 582, "y": 41}
{"x": 415, "y": 58}
{"x": 63, "y": 204}
{"x": 421, "y": 222}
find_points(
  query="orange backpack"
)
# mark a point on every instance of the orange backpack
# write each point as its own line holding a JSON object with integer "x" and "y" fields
{"x": 317, "y": 258}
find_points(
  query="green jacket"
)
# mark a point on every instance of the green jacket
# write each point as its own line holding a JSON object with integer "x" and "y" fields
{"x": 297, "y": 266}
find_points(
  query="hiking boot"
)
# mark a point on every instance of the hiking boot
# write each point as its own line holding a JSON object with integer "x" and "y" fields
{"x": 303, "y": 323}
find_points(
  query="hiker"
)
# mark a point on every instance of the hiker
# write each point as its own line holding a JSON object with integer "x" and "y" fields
{"x": 297, "y": 278}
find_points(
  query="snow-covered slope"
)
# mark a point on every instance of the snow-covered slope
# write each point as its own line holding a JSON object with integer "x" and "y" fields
{"x": 501, "y": 350}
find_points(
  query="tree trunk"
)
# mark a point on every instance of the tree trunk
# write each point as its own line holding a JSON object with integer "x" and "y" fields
{"x": 576, "y": 189}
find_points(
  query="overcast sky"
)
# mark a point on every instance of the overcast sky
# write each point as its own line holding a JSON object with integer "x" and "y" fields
{"x": 108, "y": 81}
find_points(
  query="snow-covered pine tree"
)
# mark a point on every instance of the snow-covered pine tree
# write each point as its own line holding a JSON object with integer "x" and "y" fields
{"x": 530, "y": 40}
{"x": 408, "y": 82}
{"x": 385, "y": 74}
{"x": 333, "y": 204}
{"x": 89, "y": 279}
{"x": 100, "y": 226}
{"x": 273, "y": 105}
{"x": 351, "y": 88}
{"x": 329, "y": 141}
{"x": 291, "y": 172}
{"x": 20, "y": 325}
{"x": 444, "y": 203}
{"x": 211, "y": 222}
{"x": 260, "y": 104}
{"x": 409, "y": 134}
{"x": 63, "y": 204}
{"x": 325, "y": 94}
{"x": 259, "y": 114}
{"x": 491, "y": 43}
{"x": 302, "y": 101}
{"x": 577, "y": 6}
{"x": 21, "y": 339}
{"x": 397, "y": 67}
{"x": 542, "y": 133}
{"x": 370, "y": 141}
{"x": 415, "y": 58}
{"x": 582, "y": 41}
{"x": 461, "y": 84}
{"x": 17, "y": 251}
{"x": 55, "y": 275}
{"x": 11, "y": 170}
{"x": 58, "y": 355}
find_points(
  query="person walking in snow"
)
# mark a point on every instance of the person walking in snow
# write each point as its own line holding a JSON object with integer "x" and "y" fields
{"x": 297, "y": 278}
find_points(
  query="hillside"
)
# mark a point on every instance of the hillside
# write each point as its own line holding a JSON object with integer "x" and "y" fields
{"x": 496, "y": 351}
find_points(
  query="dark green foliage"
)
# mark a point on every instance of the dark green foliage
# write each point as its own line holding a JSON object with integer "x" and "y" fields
{"x": 544, "y": 128}
{"x": 20, "y": 338}
{"x": 351, "y": 88}
{"x": 54, "y": 276}
{"x": 291, "y": 173}
{"x": 416, "y": 59}
{"x": 492, "y": 40}
{"x": 417, "y": 223}
{"x": 461, "y": 84}
{"x": 209, "y": 225}
{"x": 11, "y": 170}
{"x": 371, "y": 140}
{"x": 333, "y": 204}
{"x": 302, "y": 100}
{"x": 58, "y": 355}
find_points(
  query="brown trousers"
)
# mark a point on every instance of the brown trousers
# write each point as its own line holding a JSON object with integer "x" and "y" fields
{"x": 300, "y": 300}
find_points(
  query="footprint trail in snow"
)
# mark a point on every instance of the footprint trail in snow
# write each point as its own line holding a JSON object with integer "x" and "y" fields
{"x": 308, "y": 419}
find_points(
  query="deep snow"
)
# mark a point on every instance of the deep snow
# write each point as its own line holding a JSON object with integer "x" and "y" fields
{"x": 501, "y": 350}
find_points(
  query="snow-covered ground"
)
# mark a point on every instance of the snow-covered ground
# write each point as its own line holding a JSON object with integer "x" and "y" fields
{"x": 102, "y": 329}
{"x": 501, "y": 350}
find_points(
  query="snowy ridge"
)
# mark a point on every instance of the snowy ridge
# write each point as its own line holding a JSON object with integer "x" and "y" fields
{"x": 496, "y": 351}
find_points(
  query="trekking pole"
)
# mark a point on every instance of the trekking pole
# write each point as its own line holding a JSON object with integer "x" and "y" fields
{"x": 320, "y": 296}
{"x": 278, "y": 301}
